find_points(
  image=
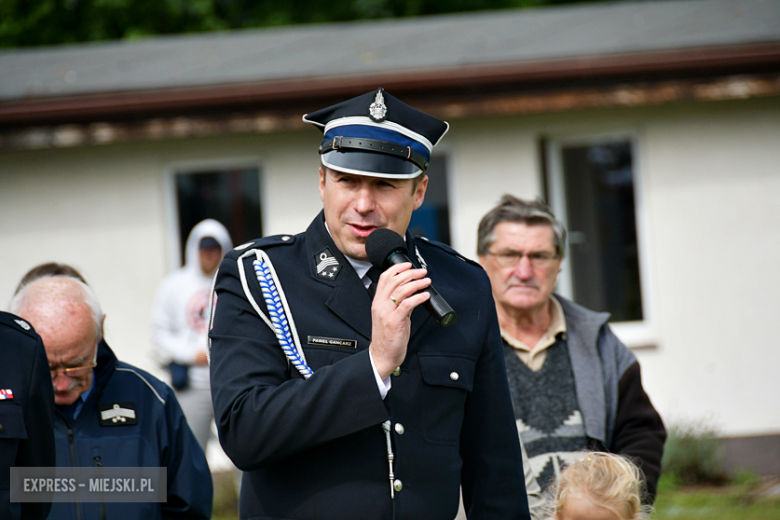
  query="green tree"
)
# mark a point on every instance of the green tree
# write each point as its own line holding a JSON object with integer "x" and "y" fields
{"x": 26, "y": 23}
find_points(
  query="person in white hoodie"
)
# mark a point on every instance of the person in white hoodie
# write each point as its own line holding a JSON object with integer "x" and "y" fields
{"x": 180, "y": 323}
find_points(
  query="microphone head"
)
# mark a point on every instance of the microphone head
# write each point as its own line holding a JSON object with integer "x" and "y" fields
{"x": 381, "y": 244}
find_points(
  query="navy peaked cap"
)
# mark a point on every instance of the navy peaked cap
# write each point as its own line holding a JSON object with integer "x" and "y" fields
{"x": 377, "y": 135}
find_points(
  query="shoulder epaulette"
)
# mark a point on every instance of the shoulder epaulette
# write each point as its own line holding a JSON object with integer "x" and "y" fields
{"x": 447, "y": 249}
{"x": 265, "y": 242}
{"x": 17, "y": 323}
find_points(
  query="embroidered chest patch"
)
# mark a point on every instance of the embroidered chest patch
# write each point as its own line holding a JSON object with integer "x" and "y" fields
{"x": 118, "y": 414}
{"x": 328, "y": 267}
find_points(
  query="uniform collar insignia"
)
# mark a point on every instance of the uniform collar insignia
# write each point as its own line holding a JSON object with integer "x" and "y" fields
{"x": 378, "y": 110}
{"x": 420, "y": 259}
{"x": 23, "y": 324}
{"x": 118, "y": 414}
{"x": 328, "y": 266}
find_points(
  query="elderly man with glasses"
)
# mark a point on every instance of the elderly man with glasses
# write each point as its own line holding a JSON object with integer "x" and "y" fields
{"x": 574, "y": 385}
{"x": 88, "y": 381}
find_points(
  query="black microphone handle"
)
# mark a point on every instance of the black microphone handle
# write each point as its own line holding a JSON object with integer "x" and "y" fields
{"x": 436, "y": 305}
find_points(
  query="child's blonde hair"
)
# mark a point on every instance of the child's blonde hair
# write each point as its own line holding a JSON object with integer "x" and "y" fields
{"x": 607, "y": 480}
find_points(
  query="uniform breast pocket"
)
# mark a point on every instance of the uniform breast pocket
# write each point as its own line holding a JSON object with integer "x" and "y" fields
{"x": 12, "y": 422}
{"x": 12, "y": 430}
{"x": 446, "y": 381}
{"x": 318, "y": 357}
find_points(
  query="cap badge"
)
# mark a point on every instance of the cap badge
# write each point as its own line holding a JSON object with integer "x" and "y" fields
{"x": 377, "y": 110}
{"x": 23, "y": 324}
{"x": 328, "y": 267}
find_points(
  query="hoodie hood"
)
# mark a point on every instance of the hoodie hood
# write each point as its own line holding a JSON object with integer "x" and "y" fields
{"x": 205, "y": 228}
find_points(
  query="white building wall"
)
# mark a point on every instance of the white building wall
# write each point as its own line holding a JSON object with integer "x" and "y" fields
{"x": 714, "y": 189}
{"x": 107, "y": 212}
{"x": 709, "y": 186}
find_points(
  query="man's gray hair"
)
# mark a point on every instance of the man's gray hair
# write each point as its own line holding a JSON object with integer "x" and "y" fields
{"x": 79, "y": 291}
{"x": 529, "y": 212}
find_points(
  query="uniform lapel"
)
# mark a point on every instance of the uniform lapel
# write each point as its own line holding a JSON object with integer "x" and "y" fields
{"x": 419, "y": 315}
{"x": 349, "y": 299}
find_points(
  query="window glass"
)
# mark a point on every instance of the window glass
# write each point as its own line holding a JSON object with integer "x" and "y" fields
{"x": 598, "y": 181}
{"x": 229, "y": 195}
{"x": 432, "y": 218}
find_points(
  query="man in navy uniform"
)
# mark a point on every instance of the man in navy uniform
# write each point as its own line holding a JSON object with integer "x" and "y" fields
{"x": 338, "y": 406}
{"x": 26, "y": 411}
{"x": 88, "y": 380}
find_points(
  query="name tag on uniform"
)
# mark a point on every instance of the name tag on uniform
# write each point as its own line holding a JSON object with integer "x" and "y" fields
{"x": 117, "y": 414}
{"x": 332, "y": 342}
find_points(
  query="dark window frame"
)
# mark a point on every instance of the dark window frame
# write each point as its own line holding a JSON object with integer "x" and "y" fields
{"x": 439, "y": 187}
{"x": 177, "y": 238}
{"x": 638, "y": 332}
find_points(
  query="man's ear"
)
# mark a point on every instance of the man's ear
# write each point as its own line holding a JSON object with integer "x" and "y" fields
{"x": 322, "y": 182}
{"x": 102, "y": 327}
{"x": 419, "y": 191}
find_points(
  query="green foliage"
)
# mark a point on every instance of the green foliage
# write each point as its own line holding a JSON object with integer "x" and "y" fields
{"x": 746, "y": 480}
{"x": 693, "y": 455}
{"x": 51, "y": 22}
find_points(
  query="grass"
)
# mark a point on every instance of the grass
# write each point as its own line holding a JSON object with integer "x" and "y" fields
{"x": 713, "y": 504}
{"x": 225, "y": 496}
{"x": 741, "y": 500}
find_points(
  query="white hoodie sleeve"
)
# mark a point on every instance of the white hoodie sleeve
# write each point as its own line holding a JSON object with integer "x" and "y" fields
{"x": 172, "y": 341}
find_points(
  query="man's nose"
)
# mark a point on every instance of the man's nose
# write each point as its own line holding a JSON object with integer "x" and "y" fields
{"x": 523, "y": 269}
{"x": 365, "y": 202}
{"x": 61, "y": 382}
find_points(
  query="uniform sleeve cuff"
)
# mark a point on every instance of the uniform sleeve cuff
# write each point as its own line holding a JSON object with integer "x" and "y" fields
{"x": 383, "y": 385}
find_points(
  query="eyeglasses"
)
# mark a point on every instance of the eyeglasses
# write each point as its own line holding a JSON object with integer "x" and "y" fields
{"x": 537, "y": 258}
{"x": 76, "y": 372}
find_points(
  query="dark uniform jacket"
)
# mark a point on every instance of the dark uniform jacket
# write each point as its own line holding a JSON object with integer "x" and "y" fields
{"x": 315, "y": 448}
{"x": 26, "y": 413}
{"x": 159, "y": 437}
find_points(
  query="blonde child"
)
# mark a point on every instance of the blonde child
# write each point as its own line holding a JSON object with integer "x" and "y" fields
{"x": 599, "y": 486}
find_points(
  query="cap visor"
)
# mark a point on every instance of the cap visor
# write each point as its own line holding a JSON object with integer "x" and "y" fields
{"x": 371, "y": 164}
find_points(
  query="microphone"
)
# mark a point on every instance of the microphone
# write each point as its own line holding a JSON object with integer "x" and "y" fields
{"x": 384, "y": 248}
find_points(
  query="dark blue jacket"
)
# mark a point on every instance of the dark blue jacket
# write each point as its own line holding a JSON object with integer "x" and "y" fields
{"x": 26, "y": 414}
{"x": 161, "y": 438}
{"x": 314, "y": 448}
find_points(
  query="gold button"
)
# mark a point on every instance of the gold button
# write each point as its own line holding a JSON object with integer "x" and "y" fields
{"x": 399, "y": 428}
{"x": 454, "y": 376}
{"x": 398, "y": 485}
{"x": 397, "y": 371}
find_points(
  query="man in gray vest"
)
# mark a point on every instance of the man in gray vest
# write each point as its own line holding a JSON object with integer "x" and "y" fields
{"x": 574, "y": 385}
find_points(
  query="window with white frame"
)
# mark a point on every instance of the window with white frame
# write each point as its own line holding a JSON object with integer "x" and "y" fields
{"x": 227, "y": 193}
{"x": 593, "y": 187}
